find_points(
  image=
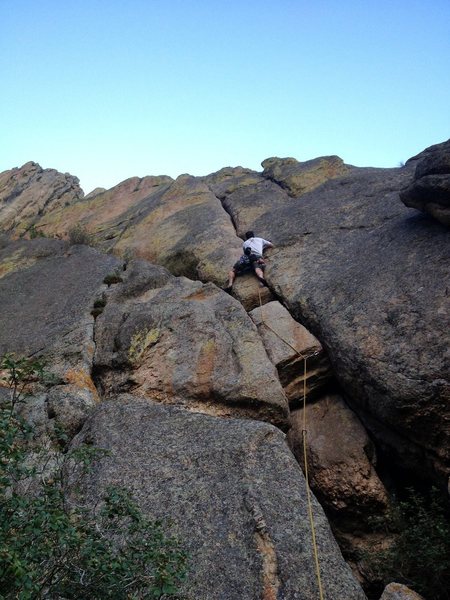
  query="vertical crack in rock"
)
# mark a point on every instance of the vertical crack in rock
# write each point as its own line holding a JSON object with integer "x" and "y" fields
{"x": 265, "y": 546}
{"x": 266, "y": 549}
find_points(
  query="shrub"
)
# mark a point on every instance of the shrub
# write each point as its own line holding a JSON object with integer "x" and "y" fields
{"x": 99, "y": 305}
{"x": 112, "y": 278}
{"x": 35, "y": 233}
{"x": 52, "y": 548}
{"x": 78, "y": 234}
{"x": 420, "y": 553}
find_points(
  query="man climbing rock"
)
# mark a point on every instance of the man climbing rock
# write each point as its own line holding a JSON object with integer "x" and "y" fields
{"x": 251, "y": 261}
{"x": 256, "y": 244}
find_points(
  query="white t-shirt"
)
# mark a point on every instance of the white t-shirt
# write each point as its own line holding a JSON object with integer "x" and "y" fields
{"x": 256, "y": 245}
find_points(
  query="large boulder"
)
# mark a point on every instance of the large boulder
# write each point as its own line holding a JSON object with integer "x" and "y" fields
{"x": 430, "y": 189}
{"x": 29, "y": 191}
{"x": 185, "y": 342}
{"x": 234, "y": 493}
{"x": 369, "y": 277}
{"x": 341, "y": 461}
{"x": 398, "y": 591}
{"x": 186, "y": 231}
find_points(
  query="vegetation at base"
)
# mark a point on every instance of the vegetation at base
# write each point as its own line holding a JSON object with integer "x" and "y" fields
{"x": 78, "y": 234}
{"x": 419, "y": 556}
{"x": 53, "y": 547}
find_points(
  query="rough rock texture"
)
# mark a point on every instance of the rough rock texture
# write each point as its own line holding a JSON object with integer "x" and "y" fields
{"x": 341, "y": 460}
{"x": 47, "y": 292}
{"x": 186, "y": 231}
{"x": 398, "y": 591}
{"x": 430, "y": 190}
{"x": 250, "y": 293}
{"x": 234, "y": 492}
{"x": 181, "y": 341}
{"x": 300, "y": 177}
{"x": 246, "y": 197}
{"x": 178, "y": 224}
{"x": 106, "y": 215}
{"x": 29, "y": 191}
{"x": 69, "y": 406}
{"x": 370, "y": 278}
{"x": 288, "y": 344}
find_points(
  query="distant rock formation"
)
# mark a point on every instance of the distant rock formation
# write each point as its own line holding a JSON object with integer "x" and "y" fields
{"x": 26, "y": 193}
{"x": 297, "y": 178}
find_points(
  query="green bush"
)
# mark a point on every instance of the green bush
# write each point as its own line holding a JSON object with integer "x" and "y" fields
{"x": 35, "y": 233}
{"x": 53, "y": 548}
{"x": 420, "y": 553}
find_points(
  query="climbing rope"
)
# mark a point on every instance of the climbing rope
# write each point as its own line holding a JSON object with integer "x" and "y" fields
{"x": 305, "y": 457}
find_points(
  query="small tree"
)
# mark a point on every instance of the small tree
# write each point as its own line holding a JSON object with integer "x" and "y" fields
{"x": 51, "y": 548}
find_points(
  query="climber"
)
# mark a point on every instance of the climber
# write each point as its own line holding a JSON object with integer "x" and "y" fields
{"x": 251, "y": 261}
{"x": 257, "y": 244}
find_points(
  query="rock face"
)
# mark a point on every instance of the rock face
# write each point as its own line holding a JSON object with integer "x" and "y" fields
{"x": 430, "y": 189}
{"x": 288, "y": 344}
{"x": 106, "y": 215}
{"x": 184, "y": 342}
{"x": 365, "y": 274}
{"x": 234, "y": 492}
{"x": 30, "y": 191}
{"x": 359, "y": 269}
{"x": 47, "y": 293}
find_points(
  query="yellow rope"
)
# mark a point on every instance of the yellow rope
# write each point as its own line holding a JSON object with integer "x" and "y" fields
{"x": 308, "y": 491}
{"x": 305, "y": 458}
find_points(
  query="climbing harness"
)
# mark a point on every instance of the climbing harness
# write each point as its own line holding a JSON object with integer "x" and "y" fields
{"x": 305, "y": 457}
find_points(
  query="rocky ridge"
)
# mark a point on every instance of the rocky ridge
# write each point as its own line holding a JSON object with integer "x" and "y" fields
{"x": 358, "y": 286}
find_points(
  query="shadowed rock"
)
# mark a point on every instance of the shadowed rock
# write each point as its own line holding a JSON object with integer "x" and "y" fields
{"x": 47, "y": 292}
{"x": 341, "y": 460}
{"x": 234, "y": 493}
{"x": 430, "y": 190}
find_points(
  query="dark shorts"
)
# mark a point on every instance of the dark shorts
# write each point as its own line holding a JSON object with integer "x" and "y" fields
{"x": 241, "y": 269}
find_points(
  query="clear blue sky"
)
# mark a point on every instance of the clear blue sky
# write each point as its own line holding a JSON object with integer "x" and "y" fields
{"x": 109, "y": 89}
